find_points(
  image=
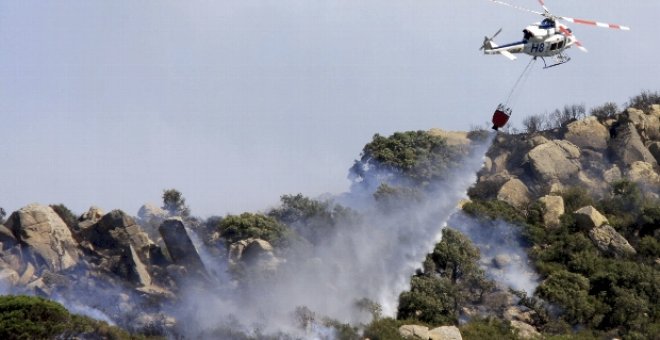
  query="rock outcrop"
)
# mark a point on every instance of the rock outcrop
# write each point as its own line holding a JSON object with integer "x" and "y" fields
{"x": 554, "y": 208}
{"x": 414, "y": 332}
{"x": 610, "y": 242}
{"x": 180, "y": 247}
{"x": 45, "y": 239}
{"x": 627, "y": 146}
{"x": 588, "y": 134}
{"x": 555, "y": 161}
{"x": 445, "y": 333}
{"x": 525, "y": 330}
{"x": 124, "y": 247}
{"x": 515, "y": 193}
{"x": 588, "y": 218}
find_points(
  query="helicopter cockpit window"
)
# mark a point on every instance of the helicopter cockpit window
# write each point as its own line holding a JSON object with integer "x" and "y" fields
{"x": 561, "y": 44}
{"x": 527, "y": 35}
{"x": 553, "y": 47}
{"x": 547, "y": 23}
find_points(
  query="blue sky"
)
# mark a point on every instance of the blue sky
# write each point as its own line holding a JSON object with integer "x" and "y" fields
{"x": 237, "y": 102}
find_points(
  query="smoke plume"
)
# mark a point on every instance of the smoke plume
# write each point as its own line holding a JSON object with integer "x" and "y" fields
{"x": 371, "y": 257}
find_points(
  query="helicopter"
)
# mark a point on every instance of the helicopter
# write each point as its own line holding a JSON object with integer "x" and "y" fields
{"x": 546, "y": 39}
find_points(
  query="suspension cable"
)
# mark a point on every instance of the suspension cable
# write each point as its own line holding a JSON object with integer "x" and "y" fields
{"x": 515, "y": 85}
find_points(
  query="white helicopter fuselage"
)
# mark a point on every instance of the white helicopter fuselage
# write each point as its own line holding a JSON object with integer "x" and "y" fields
{"x": 542, "y": 42}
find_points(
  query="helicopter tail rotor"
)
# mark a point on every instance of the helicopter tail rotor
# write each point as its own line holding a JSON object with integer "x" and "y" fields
{"x": 488, "y": 42}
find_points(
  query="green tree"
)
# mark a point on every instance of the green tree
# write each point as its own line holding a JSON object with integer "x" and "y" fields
{"x": 174, "y": 203}
{"x": 430, "y": 299}
{"x": 312, "y": 219}
{"x": 234, "y": 228}
{"x": 66, "y": 215}
{"x": 3, "y": 213}
{"x": 414, "y": 156}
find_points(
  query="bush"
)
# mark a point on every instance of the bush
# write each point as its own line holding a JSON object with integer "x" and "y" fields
{"x": 174, "y": 203}
{"x": 416, "y": 157}
{"x": 644, "y": 100}
{"x": 430, "y": 300}
{"x": 534, "y": 123}
{"x": 234, "y": 228}
{"x": 66, "y": 215}
{"x": 605, "y": 111}
{"x": 29, "y": 317}
{"x": 488, "y": 328}
{"x": 383, "y": 329}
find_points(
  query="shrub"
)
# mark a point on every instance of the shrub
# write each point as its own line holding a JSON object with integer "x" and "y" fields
{"x": 66, "y": 215}
{"x": 644, "y": 100}
{"x": 234, "y": 228}
{"x": 383, "y": 329}
{"x": 605, "y": 111}
{"x": 414, "y": 156}
{"x": 488, "y": 328}
{"x": 534, "y": 123}
{"x": 174, "y": 203}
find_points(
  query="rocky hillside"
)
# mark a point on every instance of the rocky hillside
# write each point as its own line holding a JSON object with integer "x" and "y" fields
{"x": 589, "y": 153}
{"x": 580, "y": 200}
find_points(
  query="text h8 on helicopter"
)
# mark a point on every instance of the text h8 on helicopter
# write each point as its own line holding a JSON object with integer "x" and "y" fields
{"x": 549, "y": 38}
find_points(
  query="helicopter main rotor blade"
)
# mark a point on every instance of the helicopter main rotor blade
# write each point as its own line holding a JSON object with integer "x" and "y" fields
{"x": 517, "y": 7}
{"x": 543, "y": 5}
{"x": 595, "y": 23}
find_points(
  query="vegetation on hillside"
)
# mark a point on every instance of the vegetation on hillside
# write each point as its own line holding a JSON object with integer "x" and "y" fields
{"x": 415, "y": 157}
{"x": 29, "y": 317}
{"x": 583, "y": 287}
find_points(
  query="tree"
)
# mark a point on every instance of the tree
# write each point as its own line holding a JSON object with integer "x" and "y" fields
{"x": 66, "y": 215}
{"x": 3, "y": 213}
{"x": 312, "y": 219}
{"x": 604, "y": 111}
{"x": 534, "y": 123}
{"x": 455, "y": 257}
{"x": 414, "y": 157}
{"x": 431, "y": 300}
{"x": 174, "y": 203}
{"x": 644, "y": 100}
{"x": 234, "y": 228}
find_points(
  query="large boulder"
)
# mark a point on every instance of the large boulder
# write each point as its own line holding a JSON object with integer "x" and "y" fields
{"x": 414, "y": 332}
{"x": 555, "y": 161}
{"x": 643, "y": 172}
{"x": 7, "y": 238}
{"x": 627, "y": 146}
{"x": 44, "y": 237}
{"x": 151, "y": 212}
{"x": 654, "y": 148}
{"x": 124, "y": 248}
{"x": 445, "y": 333}
{"x": 514, "y": 192}
{"x": 648, "y": 125}
{"x": 89, "y": 218}
{"x": 180, "y": 247}
{"x": 588, "y": 218}
{"x": 118, "y": 230}
{"x": 587, "y": 134}
{"x": 610, "y": 242}
{"x": 554, "y": 208}
{"x": 525, "y": 330}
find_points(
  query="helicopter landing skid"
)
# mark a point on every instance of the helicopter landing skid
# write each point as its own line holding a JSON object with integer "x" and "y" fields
{"x": 558, "y": 60}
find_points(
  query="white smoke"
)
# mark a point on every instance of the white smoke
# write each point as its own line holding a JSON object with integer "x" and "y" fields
{"x": 503, "y": 256}
{"x": 373, "y": 258}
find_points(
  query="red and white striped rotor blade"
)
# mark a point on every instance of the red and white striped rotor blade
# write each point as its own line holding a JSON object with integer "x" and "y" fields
{"x": 516, "y": 7}
{"x": 543, "y": 5}
{"x": 595, "y": 23}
